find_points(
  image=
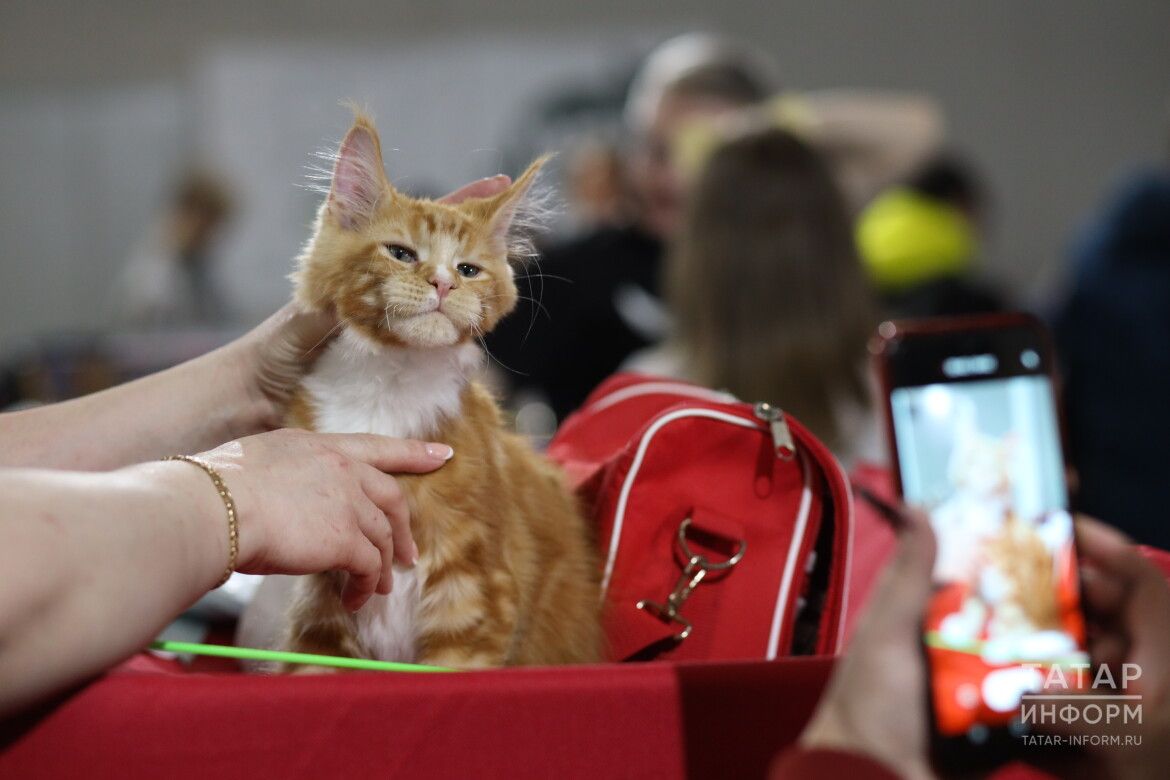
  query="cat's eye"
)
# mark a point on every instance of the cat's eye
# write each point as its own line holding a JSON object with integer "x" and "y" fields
{"x": 467, "y": 270}
{"x": 399, "y": 252}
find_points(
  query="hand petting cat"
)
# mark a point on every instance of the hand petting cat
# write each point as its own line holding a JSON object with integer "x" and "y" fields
{"x": 237, "y": 390}
{"x": 99, "y": 554}
{"x": 350, "y": 514}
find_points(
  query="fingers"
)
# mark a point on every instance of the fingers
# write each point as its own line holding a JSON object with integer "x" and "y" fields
{"x": 310, "y": 330}
{"x": 283, "y": 347}
{"x": 1107, "y": 548}
{"x": 298, "y": 327}
{"x": 905, "y": 586}
{"x": 1128, "y": 594}
{"x": 875, "y": 702}
{"x": 895, "y": 610}
{"x": 484, "y": 188}
{"x": 385, "y": 522}
{"x": 1103, "y": 594}
{"x": 389, "y": 454}
{"x": 1119, "y": 582}
{"x": 376, "y": 530}
{"x": 388, "y": 497}
{"x": 1109, "y": 649}
{"x": 365, "y": 571}
{"x": 1145, "y": 620}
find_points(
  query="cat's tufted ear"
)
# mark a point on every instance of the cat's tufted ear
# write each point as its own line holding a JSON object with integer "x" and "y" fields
{"x": 513, "y": 212}
{"x": 359, "y": 181}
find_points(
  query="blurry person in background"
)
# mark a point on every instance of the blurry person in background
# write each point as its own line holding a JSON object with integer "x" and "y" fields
{"x": 168, "y": 281}
{"x": 596, "y": 300}
{"x": 595, "y": 183}
{"x": 1113, "y": 339}
{"x": 600, "y": 301}
{"x": 871, "y": 139}
{"x": 920, "y": 242}
{"x": 687, "y": 79}
{"x": 768, "y": 298}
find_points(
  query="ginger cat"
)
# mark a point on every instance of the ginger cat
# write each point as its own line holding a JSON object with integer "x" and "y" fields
{"x": 1021, "y": 575}
{"x": 507, "y": 571}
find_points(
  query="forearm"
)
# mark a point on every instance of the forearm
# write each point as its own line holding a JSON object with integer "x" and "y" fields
{"x": 191, "y": 407}
{"x": 95, "y": 565}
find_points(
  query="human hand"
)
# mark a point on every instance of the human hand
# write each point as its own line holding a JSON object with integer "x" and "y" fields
{"x": 875, "y": 703}
{"x": 274, "y": 356}
{"x": 312, "y": 502}
{"x": 1127, "y": 602}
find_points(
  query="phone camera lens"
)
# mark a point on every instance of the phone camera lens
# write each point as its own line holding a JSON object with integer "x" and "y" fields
{"x": 1029, "y": 359}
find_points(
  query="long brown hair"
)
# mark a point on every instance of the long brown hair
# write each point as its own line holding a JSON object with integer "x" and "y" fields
{"x": 765, "y": 284}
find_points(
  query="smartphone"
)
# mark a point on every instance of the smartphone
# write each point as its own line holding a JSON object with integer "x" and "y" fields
{"x": 975, "y": 438}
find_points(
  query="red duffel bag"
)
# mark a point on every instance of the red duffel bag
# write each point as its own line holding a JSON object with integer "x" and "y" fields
{"x": 725, "y": 527}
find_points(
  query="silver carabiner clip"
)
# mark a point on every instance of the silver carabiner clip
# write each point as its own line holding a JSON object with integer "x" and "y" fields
{"x": 693, "y": 572}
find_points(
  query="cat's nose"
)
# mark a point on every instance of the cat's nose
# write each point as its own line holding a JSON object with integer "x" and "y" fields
{"x": 442, "y": 286}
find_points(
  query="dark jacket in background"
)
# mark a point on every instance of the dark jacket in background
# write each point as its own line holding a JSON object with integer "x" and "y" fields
{"x": 1113, "y": 336}
{"x": 948, "y": 296}
{"x": 582, "y": 330}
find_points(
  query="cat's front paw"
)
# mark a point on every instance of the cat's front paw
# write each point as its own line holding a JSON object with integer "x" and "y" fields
{"x": 296, "y": 669}
{"x": 462, "y": 660}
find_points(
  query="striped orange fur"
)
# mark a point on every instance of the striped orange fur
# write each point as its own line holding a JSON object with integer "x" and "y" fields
{"x": 507, "y": 571}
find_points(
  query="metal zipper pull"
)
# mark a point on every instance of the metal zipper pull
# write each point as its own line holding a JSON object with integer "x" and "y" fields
{"x": 781, "y": 436}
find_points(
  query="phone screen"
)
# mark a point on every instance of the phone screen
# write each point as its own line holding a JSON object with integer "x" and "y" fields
{"x": 978, "y": 448}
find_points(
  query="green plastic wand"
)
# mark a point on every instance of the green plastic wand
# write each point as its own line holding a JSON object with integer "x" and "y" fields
{"x": 255, "y": 654}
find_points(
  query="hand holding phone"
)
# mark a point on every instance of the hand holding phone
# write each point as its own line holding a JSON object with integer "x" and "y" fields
{"x": 972, "y": 417}
{"x": 875, "y": 704}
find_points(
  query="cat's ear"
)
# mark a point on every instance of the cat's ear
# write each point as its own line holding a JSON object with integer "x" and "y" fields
{"x": 508, "y": 213}
{"x": 359, "y": 181}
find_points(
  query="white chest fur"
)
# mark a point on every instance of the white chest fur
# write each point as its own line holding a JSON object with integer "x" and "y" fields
{"x": 357, "y": 387}
{"x": 387, "y": 625}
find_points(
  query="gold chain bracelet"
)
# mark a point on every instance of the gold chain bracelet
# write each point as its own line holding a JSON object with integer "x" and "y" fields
{"x": 229, "y": 504}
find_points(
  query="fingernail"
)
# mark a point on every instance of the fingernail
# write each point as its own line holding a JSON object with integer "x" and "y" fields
{"x": 414, "y": 554}
{"x": 441, "y": 451}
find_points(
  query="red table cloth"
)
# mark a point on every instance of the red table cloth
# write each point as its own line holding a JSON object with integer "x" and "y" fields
{"x": 648, "y": 720}
{"x": 149, "y": 718}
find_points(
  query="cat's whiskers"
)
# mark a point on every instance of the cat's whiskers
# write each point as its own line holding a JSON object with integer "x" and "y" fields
{"x": 542, "y": 276}
{"x": 478, "y": 335}
{"x": 534, "y": 271}
{"x": 529, "y": 298}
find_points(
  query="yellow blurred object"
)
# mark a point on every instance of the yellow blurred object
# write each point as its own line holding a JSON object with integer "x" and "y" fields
{"x": 793, "y": 113}
{"x": 692, "y": 145}
{"x": 695, "y": 141}
{"x": 906, "y": 238}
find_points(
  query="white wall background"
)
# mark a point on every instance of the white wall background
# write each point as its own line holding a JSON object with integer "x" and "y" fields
{"x": 261, "y": 113}
{"x": 100, "y": 103}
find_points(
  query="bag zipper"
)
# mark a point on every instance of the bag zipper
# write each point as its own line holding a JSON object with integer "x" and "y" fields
{"x": 781, "y": 434}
